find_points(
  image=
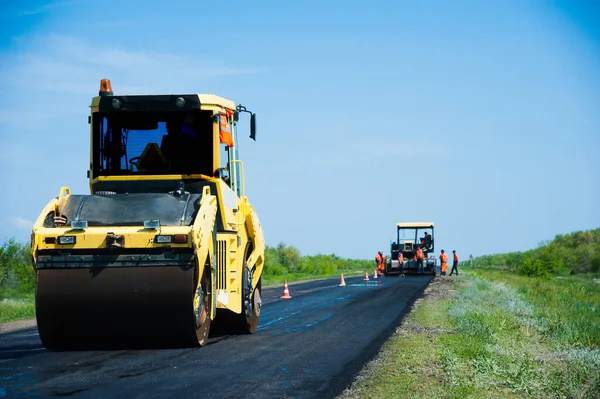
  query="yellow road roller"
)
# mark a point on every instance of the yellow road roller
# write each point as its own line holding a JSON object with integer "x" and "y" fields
{"x": 165, "y": 244}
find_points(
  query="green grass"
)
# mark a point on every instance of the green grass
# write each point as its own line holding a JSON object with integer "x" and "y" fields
{"x": 16, "y": 309}
{"x": 567, "y": 308}
{"x": 490, "y": 334}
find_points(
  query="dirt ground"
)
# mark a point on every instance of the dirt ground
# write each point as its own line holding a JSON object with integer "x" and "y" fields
{"x": 16, "y": 325}
{"x": 440, "y": 288}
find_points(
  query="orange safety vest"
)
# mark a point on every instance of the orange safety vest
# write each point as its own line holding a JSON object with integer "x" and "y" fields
{"x": 378, "y": 259}
{"x": 224, "y": 130}
{"x": 444, "y": 258}
{"x": 420, "y": 254}
{"x": 456, "y": 257}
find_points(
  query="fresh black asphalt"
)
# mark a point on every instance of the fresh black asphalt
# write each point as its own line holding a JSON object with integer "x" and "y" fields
{"x": 310, "y": 346}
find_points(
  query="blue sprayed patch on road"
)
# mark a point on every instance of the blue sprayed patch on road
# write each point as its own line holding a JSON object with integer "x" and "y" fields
{"x": 303, "y": 308}
{"x": 311, "y": 324}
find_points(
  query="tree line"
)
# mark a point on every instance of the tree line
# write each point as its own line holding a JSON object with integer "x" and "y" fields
{"x": 285, "y": 259}
{"x": 577, "y": 252}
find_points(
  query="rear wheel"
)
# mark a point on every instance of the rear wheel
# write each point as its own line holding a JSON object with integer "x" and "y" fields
{"x": 251, "y": 300}
{"x": 202, "y": 303}
{"x": 246, "y": 322}
{"x": 251, "y": 311}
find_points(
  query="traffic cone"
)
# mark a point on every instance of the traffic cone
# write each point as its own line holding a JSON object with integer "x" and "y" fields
{"x": 286, "y": 291}
{"x": 375, "y": 274}
{"x": 366, "y": 276}
{"x": 342, "y": 282}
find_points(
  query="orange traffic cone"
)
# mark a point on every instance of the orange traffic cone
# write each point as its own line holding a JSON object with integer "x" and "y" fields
{"x": 342, "y": 282}
{"x": 286, "y": 291}
{"x": 375, "y": 274}
{"x": 366, "y": 276}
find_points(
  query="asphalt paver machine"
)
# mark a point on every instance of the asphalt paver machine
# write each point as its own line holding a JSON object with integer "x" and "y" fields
{"x": 409, "y": 237}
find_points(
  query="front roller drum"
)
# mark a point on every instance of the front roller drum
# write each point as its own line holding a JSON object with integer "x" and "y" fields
{"x": 122, "y": 307}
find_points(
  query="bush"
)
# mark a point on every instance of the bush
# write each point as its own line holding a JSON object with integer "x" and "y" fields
{"x": 532, "y": 266}
{"x": 17, "y": 277}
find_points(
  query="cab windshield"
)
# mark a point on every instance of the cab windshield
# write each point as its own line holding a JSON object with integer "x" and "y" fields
{"x": 153, "y": 143}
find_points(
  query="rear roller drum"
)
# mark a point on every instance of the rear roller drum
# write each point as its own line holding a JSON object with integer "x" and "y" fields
{"x": 246, "y": 322}
{"x": 253, "y": 319}
{"x": 251, "y": 309}
{"x": 202, "y": 303}
{"x": 251, "y": 301}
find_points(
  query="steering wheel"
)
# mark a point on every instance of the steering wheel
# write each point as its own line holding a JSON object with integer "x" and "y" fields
{"x": 134, "y": 162}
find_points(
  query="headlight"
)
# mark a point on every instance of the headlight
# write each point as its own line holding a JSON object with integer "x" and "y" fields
{"x": 164, "y": 239}
{"x": 67, "y": 240}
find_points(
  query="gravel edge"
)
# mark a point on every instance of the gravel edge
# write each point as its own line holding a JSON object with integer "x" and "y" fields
{"x": 17, "y": 325}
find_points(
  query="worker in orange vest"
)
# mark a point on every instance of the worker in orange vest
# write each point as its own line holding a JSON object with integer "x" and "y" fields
{"x": 420, "y": 256}
{"x": 428, "y": 241}
{"x": 444, "y": 265}
{"x": 381, "y": 269}
{"x": 401, "y": 262}
{"x": 454, "y": 263}
{"x": 379, "y": 262}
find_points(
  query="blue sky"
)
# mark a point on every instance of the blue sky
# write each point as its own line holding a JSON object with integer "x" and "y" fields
{"x": 480, "y": 116}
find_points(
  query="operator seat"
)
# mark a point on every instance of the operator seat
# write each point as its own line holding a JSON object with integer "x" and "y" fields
{"x": 152, "y": 159}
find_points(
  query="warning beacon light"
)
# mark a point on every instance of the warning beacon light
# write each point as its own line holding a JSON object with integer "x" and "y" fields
{"x": 105, "y": 88}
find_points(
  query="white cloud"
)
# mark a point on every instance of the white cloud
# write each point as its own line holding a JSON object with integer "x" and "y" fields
{"x": 44, "y": 8}
{"x": 21, "y": 223}
{"x": 63, "y": 64}
{"x": 53, "y": 77}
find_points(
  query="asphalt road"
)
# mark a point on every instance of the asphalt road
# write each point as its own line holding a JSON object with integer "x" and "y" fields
{"x": 310, "y": 346}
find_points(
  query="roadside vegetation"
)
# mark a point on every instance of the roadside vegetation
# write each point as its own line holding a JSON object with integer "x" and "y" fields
{"x": 573, "y": 253}
{"x": 286, "y": 263}
{"x": 17, "y": 278}
{"x": 17, "y": 282}
{"x": 496, "y": 332}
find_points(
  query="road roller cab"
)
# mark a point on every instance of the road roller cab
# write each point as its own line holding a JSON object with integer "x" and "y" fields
{"x": 166, "y": 243}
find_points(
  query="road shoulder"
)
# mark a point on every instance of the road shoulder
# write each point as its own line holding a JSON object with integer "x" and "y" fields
{"x": 16, "y": 325}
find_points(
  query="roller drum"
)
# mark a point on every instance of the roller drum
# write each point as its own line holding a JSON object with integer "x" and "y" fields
{"x": 116, "y": 307}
